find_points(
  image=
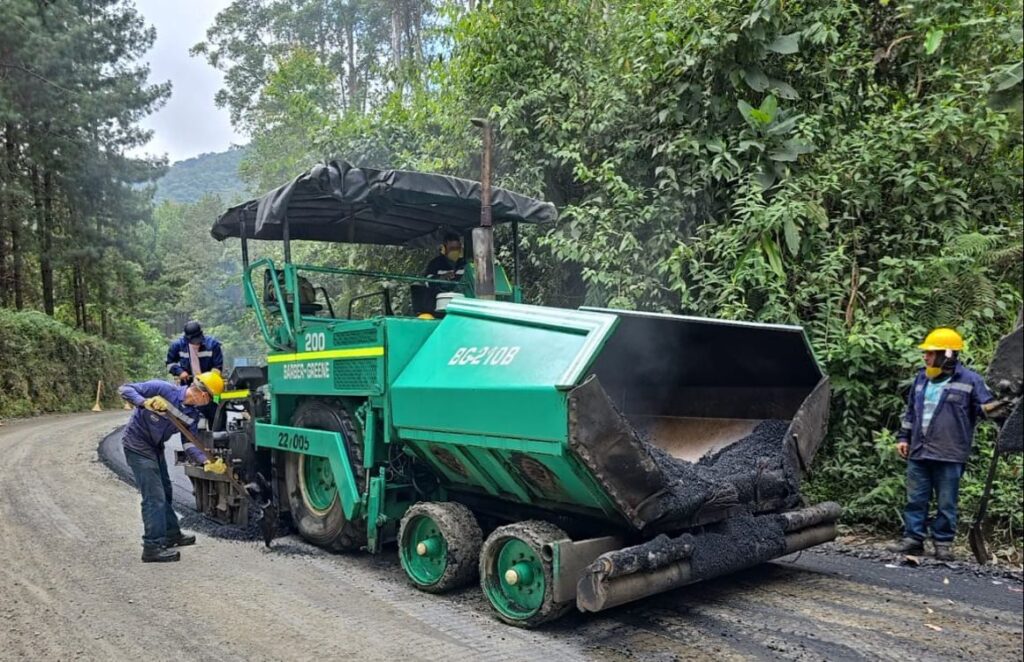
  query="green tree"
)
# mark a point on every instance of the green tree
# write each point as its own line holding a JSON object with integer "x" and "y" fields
{"x": 71, "y": 94}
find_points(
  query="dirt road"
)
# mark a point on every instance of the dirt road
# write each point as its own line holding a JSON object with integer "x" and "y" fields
{"x": 72, "y": 587}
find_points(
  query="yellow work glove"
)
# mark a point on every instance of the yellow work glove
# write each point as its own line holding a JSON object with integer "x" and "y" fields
{"x": 215, "y": 466}
{"x": 156, "y": 403}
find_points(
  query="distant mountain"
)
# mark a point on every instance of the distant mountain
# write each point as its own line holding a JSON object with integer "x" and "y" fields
{"x": 191, "y": 179}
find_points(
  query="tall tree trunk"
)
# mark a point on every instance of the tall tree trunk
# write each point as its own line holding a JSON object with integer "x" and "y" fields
{"x": 101, "y": 280}
{"x": 84, "y": 296}
{"x": 396, "y": 35}
{"x": 73, "y": 282}
{"x": 6, "y": 183}
{"x": 3, "y": 242}
{"x": 413, "y": 20}
{"x": 17, "y": 255}
{"x": 363, "y": 96}
{"x": 18, "y": 264}
{"x": 104, "y": 315}
{"x": 37, "y": 206}
{"x": 353, "y": 74}
{"x": 78, "y": 280}
{"x": 46, "y": 228}
{"x": 78, "y": 276}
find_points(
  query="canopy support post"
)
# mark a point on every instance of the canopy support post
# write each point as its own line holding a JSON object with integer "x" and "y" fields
{"x": 245, "y": 244}
{"x": 287, "y": 241}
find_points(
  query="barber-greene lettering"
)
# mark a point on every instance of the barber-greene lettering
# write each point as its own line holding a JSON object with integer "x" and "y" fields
{"x": 308, "y": 370}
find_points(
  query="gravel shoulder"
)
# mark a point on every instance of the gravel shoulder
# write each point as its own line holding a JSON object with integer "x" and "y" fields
{"x": 73, "y": 588}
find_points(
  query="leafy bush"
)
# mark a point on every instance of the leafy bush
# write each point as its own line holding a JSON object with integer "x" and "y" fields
{"x": 141, "y": 347}
{"x": 834, "y": 165}
{"x": 50, "y": 367}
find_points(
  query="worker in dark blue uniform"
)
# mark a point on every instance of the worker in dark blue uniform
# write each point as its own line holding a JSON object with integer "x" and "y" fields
{"x": 143, "y": 440}
{"x": 194, "y": 353}
{"x": 943, "y": 409}
{"x": 449, "y": 265}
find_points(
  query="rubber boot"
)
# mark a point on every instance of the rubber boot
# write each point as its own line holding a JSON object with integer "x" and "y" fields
{"x": 944, "y": 551}
{"x": 153, "y": 554}
{"x": 906, "y": 546}
{"x": 181, "y": 540}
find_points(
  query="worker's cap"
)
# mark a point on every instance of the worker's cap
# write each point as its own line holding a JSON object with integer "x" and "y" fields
{"x": 193, "y": 331}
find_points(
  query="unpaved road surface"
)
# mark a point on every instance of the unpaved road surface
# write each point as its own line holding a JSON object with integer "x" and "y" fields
{"x": 72, "y": 587}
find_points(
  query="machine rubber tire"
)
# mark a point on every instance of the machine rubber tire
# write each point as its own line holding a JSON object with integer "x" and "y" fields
{"x": 531, "y": 535}
{"x": 328, "y": 528}
{"x": 456, "y": 525}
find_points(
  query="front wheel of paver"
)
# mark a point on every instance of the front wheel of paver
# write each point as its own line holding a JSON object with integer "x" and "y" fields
{"x": 313, "y": 498}
{"x": 438, "y": 545}
{"x": 516, "y": 573}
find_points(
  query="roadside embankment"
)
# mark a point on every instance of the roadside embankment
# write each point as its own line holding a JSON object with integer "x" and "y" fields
{"x": 51, "y": 367}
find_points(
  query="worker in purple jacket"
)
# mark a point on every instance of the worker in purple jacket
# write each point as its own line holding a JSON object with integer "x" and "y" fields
{"x": 143, "y": 440}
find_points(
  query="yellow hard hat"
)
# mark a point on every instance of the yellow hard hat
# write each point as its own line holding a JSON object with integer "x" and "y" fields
{"x": 425, "y": 316}
{"x": 211, "y": 382}
{"x": 942, "y": 338}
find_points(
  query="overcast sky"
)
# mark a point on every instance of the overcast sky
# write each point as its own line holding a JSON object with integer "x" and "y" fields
{"x": 189, "y": 124}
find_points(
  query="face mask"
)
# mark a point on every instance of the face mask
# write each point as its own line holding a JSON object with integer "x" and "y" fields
{"x": 944, "y": 364}
{"x": 454, "y": 255}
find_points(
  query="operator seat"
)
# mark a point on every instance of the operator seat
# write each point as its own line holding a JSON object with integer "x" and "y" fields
{"x": 307, "y": 295}
{"x": 424, "y": 299}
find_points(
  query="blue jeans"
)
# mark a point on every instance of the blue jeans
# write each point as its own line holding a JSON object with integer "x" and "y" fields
{"x": 924, "y": 478}
{"x": 159, "y": 520}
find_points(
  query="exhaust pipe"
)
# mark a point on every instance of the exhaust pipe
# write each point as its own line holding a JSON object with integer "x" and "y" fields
{"x": 603, "y": 587}
{"x": 483, "y": 236}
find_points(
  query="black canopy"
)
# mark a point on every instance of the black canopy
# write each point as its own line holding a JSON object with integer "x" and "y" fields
{"x": 337, "y": 202}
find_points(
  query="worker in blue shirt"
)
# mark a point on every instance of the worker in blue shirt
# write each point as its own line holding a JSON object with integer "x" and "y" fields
{"x": 943, "y": 409}
{"x": 449, "y": 265}
{"x": 143, "y": 440}
{"x": 194, "y": 353}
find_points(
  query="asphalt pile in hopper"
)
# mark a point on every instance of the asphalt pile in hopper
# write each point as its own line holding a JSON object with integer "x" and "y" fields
{"x": 749, "y": 476}
{"x": 752, "y": 473}
{"x": 746, "y": 477}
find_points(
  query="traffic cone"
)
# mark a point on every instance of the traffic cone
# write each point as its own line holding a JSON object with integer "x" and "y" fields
{"x": 99, "y": 387}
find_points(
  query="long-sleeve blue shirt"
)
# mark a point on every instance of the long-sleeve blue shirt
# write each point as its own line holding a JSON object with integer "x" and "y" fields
{"x": 949, "y": 433}
{"x": 147, "y": 431}
{"x": 209, "y": 353}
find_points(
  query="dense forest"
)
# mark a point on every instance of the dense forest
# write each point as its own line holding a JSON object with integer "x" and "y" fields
{"x": 854, "y": 167}
{"x": 215, "y": 173}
